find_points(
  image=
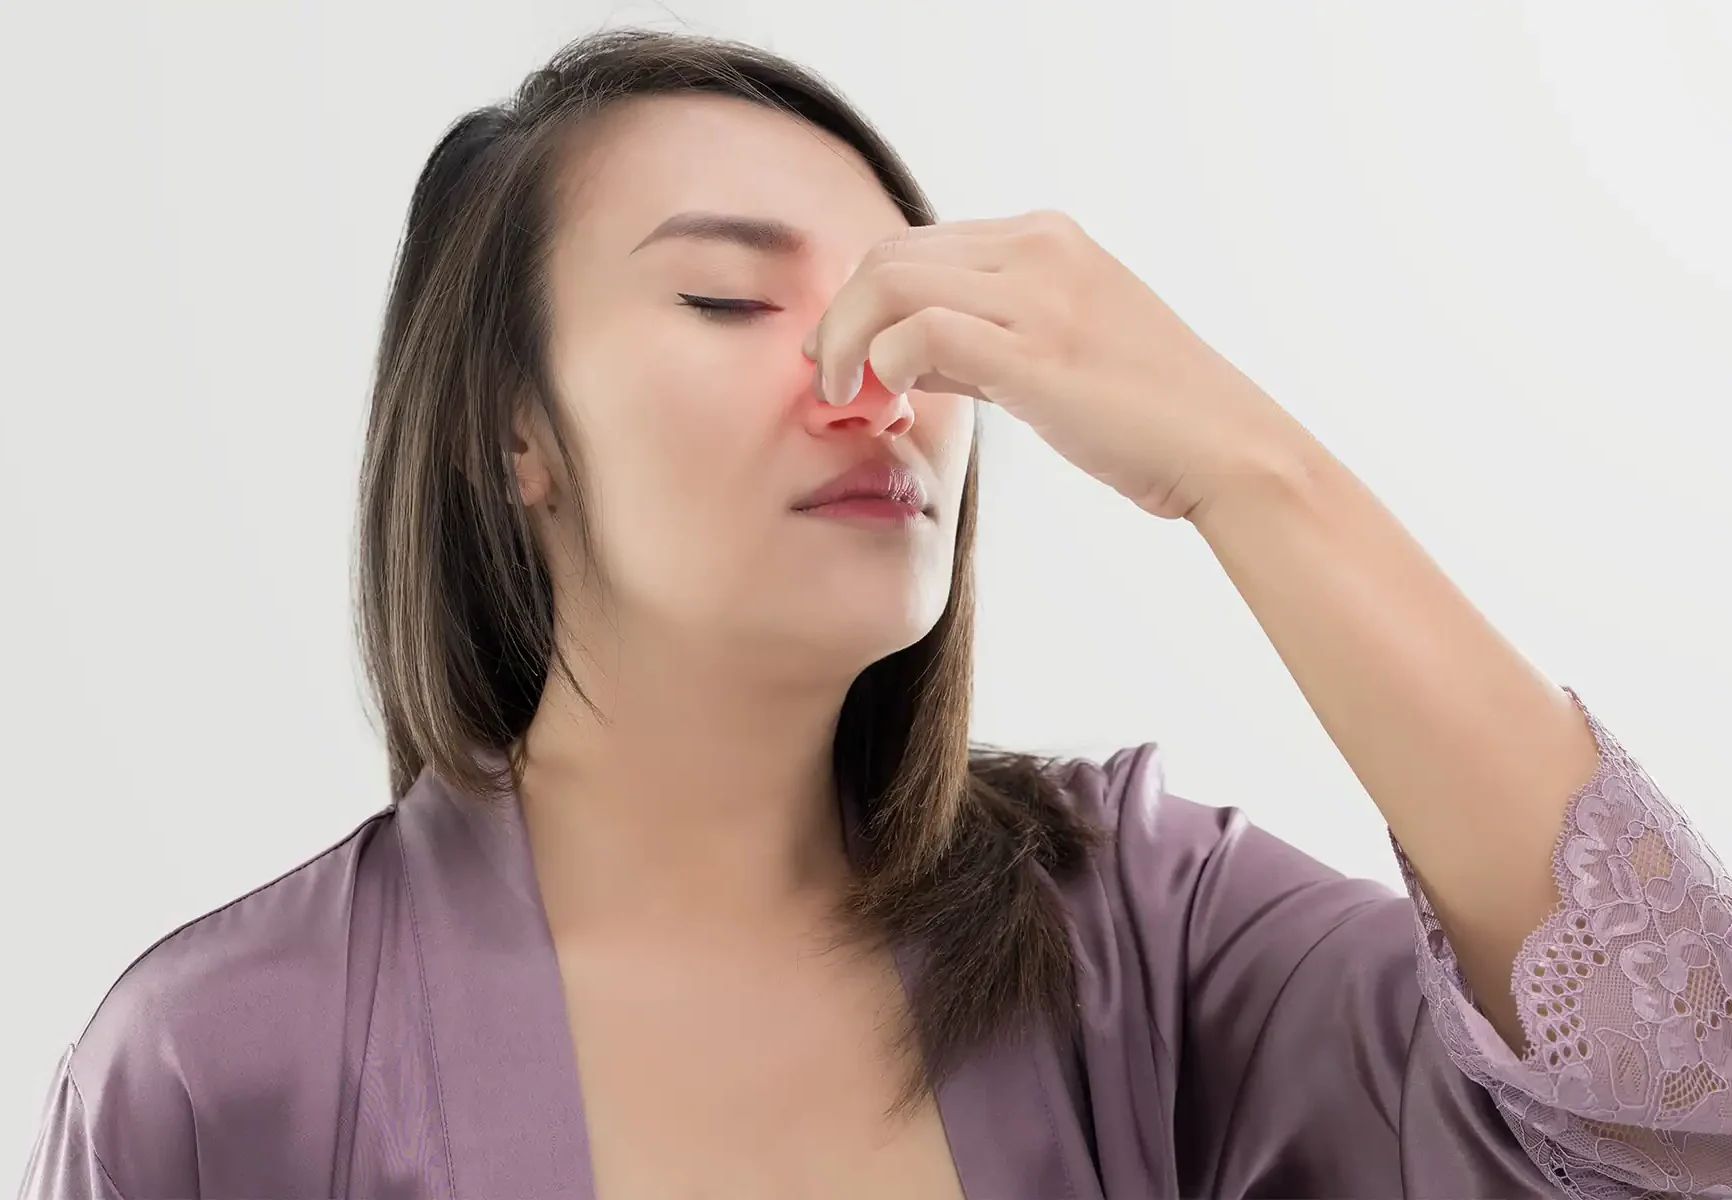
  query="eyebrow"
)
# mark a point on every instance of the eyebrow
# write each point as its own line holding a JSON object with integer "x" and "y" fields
{"x": 764, "y": 234}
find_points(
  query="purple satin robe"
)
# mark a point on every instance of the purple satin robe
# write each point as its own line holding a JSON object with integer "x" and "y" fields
{"x": 387, "y": 1020}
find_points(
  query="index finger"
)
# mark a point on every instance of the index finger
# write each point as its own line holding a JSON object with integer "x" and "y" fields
{"x": 884, "y": 294}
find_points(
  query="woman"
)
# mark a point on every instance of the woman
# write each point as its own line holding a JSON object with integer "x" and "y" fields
{"x": 665, "y": 586}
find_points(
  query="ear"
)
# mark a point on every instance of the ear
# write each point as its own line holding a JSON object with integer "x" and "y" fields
{"x": 529, "y": 459}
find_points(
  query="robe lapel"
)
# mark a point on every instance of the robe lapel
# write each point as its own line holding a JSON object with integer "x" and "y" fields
{"x": 507, "y": 1068}
{"x": 503, "y": 1054}
{"x": 1011, "y": 1126}
{"x": 1010, "y": 1135}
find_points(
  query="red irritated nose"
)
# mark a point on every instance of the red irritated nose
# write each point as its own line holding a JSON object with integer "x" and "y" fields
{"x": 874, "y": 409}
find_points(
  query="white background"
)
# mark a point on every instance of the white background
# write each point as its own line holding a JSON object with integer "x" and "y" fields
{"x": 1483, "y": 250}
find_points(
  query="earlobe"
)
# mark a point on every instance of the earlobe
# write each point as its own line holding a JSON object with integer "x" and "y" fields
{"x": 534, "y": 480}
{"x": 528, "y": 492}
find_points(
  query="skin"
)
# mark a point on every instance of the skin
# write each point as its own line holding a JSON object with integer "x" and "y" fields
{"x": 688, "y": 849}
{"x": 698, "y": 821}
{"x": 1468, "y": 751}
{"x": 734, "y": 626}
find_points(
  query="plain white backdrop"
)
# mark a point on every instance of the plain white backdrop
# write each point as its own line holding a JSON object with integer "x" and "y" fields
{"x": 1484, "y": 251}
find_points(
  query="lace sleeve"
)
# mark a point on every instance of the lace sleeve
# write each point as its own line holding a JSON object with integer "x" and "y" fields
{"x": 1625, "y": 993}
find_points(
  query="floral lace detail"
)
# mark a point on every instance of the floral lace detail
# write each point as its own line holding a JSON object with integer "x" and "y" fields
{"x": 1625, "y": 993}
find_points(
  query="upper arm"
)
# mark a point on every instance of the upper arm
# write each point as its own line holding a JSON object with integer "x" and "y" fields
{"x": 1307, "y": 1061}
{"x": 64, "y": 1164}
{"x": 119, "y": 1120}
{"x": 1329, "y": 1042}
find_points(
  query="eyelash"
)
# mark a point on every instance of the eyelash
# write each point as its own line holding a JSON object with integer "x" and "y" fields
{"x": 724, "y": 310}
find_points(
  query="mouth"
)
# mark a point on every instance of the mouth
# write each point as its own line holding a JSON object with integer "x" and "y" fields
{"x": 877, "y": 491}
{"x": 865, "y": 508}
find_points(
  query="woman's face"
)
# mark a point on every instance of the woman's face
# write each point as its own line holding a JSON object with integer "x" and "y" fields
{"x": 699, "y": 431}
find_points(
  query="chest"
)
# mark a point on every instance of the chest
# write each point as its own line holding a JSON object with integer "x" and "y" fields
{"x": 734, "y": 1072}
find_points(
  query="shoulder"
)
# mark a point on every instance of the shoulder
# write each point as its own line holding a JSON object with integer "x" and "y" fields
{"x": 1147, "y": 829}
{"x": 1193, "y": 869}
{"x": 1128, "y": 788}
{"x": 224, "y": 999}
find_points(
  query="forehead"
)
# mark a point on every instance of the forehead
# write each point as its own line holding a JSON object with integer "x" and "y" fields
{"x": 651, "y": 157}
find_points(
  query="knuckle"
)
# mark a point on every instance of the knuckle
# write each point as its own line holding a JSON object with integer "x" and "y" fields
{"x": 897, "y": 281}
{"x": 902, "y": 352}
{"x": 1056, "y": 230}
{"x": 934, "y": 328}
{"x": 890, "y": 250}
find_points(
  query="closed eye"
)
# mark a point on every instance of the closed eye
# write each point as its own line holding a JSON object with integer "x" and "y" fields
{"x": 725, "y": 309}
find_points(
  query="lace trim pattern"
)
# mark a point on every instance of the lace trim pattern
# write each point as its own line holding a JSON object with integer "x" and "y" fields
{"x": 1625, "y": 994}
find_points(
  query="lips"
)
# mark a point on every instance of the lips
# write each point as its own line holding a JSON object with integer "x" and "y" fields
{"x": 877, "y": 479}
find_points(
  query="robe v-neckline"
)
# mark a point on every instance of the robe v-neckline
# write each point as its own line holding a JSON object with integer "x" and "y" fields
{"x": 506, "y": 1068}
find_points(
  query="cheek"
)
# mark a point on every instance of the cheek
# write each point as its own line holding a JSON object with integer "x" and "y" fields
{"x": 944, "y": 430}
{"x": 676, "y": 452}
{"x": 655, "y": 421}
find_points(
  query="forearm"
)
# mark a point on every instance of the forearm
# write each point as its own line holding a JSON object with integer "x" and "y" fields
{"x": 1470, "y": 753}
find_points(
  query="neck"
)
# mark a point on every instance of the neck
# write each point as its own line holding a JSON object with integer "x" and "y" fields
{"x": 699, "y": 787}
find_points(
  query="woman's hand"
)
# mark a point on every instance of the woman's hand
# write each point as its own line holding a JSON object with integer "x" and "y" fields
{"x": 1031, "y": 314}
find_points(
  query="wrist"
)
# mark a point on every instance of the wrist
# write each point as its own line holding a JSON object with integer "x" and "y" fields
{"x": 1280, "y": 480}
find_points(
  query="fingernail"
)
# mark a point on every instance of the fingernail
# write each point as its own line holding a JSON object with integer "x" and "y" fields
{"x": 850, "y": 387}
{"x": 809, "y": 347}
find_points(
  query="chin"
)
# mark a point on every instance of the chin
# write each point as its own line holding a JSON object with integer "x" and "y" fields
{"x": 864, "y": 626}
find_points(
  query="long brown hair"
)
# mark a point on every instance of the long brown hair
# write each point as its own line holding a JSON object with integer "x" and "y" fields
{"x": 455, "y": 605}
